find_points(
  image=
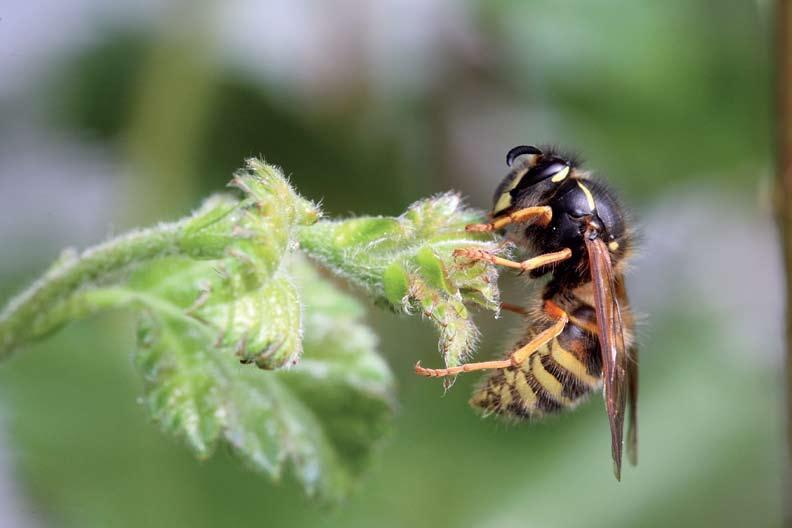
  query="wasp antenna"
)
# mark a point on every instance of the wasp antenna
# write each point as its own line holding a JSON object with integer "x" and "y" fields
{"x": 521, "y": 150}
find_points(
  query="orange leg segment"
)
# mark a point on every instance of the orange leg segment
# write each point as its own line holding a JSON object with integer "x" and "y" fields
{"x": 526, "y": 265}
{"x": 543, "y": 214}
{"x": 516, "y": 359}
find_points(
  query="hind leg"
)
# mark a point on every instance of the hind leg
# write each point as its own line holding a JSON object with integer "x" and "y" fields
{"x": 516, "y": 358}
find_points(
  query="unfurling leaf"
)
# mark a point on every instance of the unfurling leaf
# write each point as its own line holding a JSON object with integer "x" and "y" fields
{"x": 214, "y": 291}
{"x": 322, "y": 416}
{"x": 407, "y": 263}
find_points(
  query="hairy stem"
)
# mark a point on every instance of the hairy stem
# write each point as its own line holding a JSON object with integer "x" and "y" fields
{"x": 35, "y": 312}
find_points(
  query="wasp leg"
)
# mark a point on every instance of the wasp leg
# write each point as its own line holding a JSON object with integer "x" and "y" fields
{"x": 543, "y": 213}
{"x": 521, "y": 310}
{"x": 516, "y": 358}
{"x": 526, "y": 265}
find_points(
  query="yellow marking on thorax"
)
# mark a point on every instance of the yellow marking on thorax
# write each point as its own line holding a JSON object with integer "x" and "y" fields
{"x": 560, "y": 175}
{"x": 589, "y": 196}
{"x": 505, "y": 199}
{"x": 566, "y": 359}
{"x": 547, "y": 380}
{"x": 613, "y": 245}
{"x": 503, "y": 203}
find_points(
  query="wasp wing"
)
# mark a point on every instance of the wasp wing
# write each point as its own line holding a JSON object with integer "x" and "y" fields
{"x": 632, "y": 401}
{"x": 632, "y": 382}
{"x": 610, "y": 330}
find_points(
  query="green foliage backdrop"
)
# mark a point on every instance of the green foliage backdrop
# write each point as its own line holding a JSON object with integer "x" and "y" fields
{"x": 669, "y": 100}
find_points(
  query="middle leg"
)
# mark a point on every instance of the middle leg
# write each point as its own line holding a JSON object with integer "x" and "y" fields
{"x": 526, "y": 265}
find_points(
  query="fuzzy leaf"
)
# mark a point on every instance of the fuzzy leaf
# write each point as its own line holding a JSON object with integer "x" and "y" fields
{"x": 218, "y": 289}
{"x": 226, "y": 286}
{"x": 407, "y": 263}
{"x": 247, "y": 238}
{"x": 322, "y": 416}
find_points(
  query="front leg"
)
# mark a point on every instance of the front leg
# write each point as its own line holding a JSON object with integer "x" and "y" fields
{"x": 542, "y": 214}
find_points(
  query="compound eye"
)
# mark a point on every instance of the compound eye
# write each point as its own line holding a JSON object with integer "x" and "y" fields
{"x": 522, "y": 150}
{"x": 556, "y": 171}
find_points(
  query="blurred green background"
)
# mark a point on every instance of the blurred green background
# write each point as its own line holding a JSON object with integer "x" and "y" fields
{"x": 115, "y": 115}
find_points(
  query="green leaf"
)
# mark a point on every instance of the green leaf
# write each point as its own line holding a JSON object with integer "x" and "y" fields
{"x": 323, "y": 416}
{"x": 251, "y": 236}
{"x": 259, "y": 323}
{"x": 226, "y": 286}
{"x": 407, "y": 263}
{"x": 214, "y": 291}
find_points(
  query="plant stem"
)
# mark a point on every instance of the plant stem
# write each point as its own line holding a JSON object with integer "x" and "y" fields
{"x": 34, "y": 312}
{"x": 784, "y": 201}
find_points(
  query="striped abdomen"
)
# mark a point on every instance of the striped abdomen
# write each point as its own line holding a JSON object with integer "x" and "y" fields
{"x": 557, "y": 376}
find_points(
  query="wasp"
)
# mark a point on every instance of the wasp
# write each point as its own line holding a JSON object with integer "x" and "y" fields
{"x": 578, "y": 334}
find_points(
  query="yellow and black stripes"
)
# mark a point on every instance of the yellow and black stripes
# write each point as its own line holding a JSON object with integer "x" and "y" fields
{"x": 553, "y": 378}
